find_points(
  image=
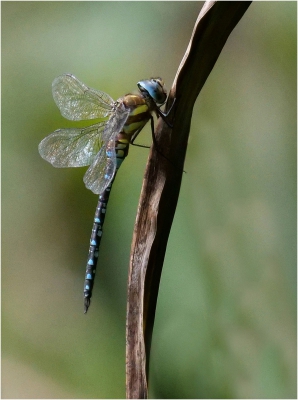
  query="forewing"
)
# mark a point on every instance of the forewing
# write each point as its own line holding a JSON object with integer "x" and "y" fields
{"x": 101, "y": 172}
{"x": 76, "y": 101}
{"x": 72, "y": 147}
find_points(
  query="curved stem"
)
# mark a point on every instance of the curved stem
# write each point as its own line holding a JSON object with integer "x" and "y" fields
{"x": 161, "y": 186}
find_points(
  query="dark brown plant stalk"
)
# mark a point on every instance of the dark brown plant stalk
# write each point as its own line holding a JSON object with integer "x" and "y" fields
{"x": 161, "y": 186}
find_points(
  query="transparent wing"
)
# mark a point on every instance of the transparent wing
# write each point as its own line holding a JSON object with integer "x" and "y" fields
{"x": 116, "y": 122}
{"x": 101, "y": 172}
{"x": 76, "y": 101}
{"x": 72, "y": 147}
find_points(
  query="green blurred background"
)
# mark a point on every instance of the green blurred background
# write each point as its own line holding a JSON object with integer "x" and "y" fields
{"x": 226, "y": 313}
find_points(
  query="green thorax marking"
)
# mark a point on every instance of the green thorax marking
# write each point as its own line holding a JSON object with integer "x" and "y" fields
{"x": 139, "y": 114}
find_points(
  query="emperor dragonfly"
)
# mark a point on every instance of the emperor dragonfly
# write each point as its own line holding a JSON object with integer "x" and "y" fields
{"x": 103, "y": 145}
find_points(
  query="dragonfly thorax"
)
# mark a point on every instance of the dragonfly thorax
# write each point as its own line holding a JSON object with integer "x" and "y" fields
{"x": 140, "y": 110}
{"x": 154, "y": 89}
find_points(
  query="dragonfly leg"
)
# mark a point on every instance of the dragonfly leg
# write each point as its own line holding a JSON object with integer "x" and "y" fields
{"x": 133, "y": 138}
{"x": 156, "y": 145}
{"x": 165, "y": 115}
{"x": 153, "y": 135}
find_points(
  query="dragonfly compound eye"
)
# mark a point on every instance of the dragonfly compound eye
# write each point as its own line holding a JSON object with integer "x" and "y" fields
{"x": 154, "y": 87}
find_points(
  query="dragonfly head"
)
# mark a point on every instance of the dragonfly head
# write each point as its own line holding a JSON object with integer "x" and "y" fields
{"x": 154, "y": 88}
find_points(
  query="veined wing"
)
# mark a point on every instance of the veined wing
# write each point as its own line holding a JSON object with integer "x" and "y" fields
{"x": 101, "y": 172}
{"x": 116, "y": 122}
{"x": 73, "y": 147}
{"x": 76, "y": 101}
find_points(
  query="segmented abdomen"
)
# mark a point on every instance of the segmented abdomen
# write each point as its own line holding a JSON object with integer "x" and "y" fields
{"x": 96, "y": 234}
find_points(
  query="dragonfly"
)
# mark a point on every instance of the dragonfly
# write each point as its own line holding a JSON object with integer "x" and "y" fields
{"x": 102, "y": 146}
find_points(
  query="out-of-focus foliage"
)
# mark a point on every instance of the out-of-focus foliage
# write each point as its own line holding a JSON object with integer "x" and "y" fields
{"x": 226, "y": 315}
